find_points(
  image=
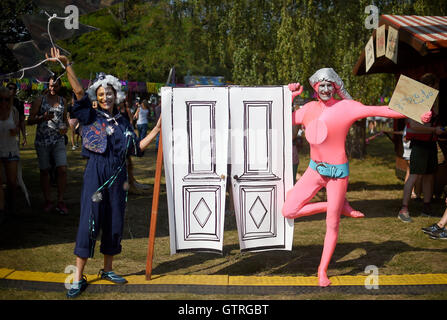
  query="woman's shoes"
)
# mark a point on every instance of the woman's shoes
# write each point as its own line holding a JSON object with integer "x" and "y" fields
{"x": 111, "y": 276}
{"x": 77, "y": 288}
{"x": 404, "y": 215}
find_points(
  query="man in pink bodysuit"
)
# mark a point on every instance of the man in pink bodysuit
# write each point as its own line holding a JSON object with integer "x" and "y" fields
{"x": 326, "y": 123}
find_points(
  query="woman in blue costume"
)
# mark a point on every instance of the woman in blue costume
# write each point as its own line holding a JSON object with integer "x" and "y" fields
{"x": 108, "y": 138}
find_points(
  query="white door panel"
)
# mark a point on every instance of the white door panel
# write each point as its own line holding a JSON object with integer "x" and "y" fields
{"x": 196, "y": 158}
{"x": 195, "y": 125}
{"x": 261, "y": 165}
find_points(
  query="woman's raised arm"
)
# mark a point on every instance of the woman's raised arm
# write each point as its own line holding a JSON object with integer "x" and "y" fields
{"x": 77, "y": 87}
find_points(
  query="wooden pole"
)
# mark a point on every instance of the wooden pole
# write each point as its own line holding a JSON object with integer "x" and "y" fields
{"x": 155, "y": 198}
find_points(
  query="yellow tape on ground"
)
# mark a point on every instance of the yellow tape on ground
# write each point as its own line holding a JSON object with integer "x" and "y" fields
{"x": 225, "y": 280}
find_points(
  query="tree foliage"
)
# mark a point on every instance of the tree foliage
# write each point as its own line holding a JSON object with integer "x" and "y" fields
{"x": 250, "y": 42}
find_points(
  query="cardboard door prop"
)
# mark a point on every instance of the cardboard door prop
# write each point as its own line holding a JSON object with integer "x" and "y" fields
{"x": 261, "y": 155}
{"x": 412, "y": 98}
{"x": 197, "y": 152}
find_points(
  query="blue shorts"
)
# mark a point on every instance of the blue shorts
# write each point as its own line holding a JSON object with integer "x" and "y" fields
{"x": 56, "y": 151}
{"x": 330, "y": 170}
{"x": 10, "y": 158}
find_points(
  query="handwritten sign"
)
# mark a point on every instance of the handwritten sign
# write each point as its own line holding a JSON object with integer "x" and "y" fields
{"x": 380, "y": 41}
{"x": 392, "y": 44}
{"x": 412, "y": 98}
{"x": 369, "y": 54}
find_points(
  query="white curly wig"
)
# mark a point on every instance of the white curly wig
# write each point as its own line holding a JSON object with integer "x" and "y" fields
{"x": 106, "y": 80}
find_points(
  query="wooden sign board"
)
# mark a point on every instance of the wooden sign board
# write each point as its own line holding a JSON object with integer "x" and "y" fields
{"x": 380, "y": 41}
{"x": 412, "y": 98}
{"x": 369, "y": 54}
{"x": 392, "y": 44}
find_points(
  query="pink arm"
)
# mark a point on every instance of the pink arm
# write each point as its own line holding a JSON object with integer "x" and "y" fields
{"x": 298, "y": 115}
{"x": 384, "y": 111}
{"x": 361, "y": 111}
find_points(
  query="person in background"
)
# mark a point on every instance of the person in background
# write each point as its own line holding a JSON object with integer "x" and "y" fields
{"x": 142, "y": 117}
{"x": 423, "y": 158}
{"x": 48, "y": 112}
{"x": 416, "y": 192}
{"x": 9, "y": 150}
{"x": 20, "y": 108}
{"x": 438, "y": 231}
{"x": 74, "y": 126}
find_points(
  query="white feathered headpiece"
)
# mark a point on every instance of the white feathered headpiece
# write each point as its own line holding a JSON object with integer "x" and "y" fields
{"x": 105, "y": 80}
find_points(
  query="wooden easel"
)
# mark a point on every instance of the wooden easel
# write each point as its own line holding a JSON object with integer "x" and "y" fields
{"x": 154, "y": 212}
{"x": 156, "y": 195}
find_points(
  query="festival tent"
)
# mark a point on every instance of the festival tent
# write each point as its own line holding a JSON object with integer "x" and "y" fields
{"x": 421, "y": 48}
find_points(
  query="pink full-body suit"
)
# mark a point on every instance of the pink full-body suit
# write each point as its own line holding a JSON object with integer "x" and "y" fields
{"x": 326, "y": 126}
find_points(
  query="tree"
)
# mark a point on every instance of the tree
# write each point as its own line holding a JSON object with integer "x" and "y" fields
{"x": 12, "y": 30}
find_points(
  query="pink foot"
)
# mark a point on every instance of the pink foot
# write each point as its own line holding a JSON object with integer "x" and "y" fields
{"x": 323, "y": 280}
{"x": 348, "y": 211}
{"x": 354, "y": 214}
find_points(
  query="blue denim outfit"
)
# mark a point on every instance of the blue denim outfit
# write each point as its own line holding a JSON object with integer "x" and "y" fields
{"x": 107, "y": 141}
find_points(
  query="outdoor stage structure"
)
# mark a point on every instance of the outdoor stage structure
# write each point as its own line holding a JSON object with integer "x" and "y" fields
{"x": 225, "y": 138}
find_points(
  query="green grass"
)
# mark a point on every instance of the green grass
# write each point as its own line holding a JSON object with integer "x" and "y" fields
{"x": 39, "y": 241}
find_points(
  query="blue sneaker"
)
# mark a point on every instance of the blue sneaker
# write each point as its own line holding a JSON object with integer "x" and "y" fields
{"x": 434, "y": 228}
{"x": 77, "y": 288}
{"x": 442, "y": 235}
{"x": 111, "y": 276}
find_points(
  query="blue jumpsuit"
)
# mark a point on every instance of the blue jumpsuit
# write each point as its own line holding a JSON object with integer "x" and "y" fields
{"x": 106, "y": 143}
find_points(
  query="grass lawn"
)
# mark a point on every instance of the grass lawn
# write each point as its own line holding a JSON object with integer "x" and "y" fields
{"x": 38, "y": 241}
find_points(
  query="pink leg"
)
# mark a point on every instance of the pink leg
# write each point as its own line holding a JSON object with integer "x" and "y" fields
{"x": 296, "y": 204}
{"x": 336, "y": 192}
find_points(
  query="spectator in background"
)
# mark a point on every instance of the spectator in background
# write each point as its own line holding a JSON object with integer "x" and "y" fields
{"x": 437, "y": 231}
{"x": 423, "y": 158}
{"x": 134, "y": 187}
{"x": 142, "y": 117}
{"x": 416, "y": 192}
{"x": 134, "y": 109}
{"x": 20, "y": 108}
{"x": 74, "y": 126}
{"x": 49, "y": 113}
{"x": 9, "y": 150}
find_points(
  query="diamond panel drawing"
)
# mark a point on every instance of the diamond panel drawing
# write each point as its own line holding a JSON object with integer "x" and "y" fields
{"x": 202, "y": 212}
{"x": 258, "y": 212}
